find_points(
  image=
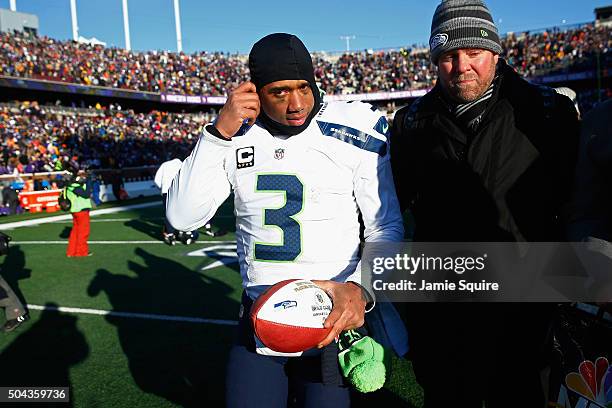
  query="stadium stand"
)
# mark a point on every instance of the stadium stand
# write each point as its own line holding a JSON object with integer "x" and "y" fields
{"x": 203, "y": 73}
{"x": 38, "y": 138}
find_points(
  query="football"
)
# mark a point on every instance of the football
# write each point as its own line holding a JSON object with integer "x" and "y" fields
{"x": 289, "y": 316}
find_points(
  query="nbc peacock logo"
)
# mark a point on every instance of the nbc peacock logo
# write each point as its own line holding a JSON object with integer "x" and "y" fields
{"x": 593, "y": 383}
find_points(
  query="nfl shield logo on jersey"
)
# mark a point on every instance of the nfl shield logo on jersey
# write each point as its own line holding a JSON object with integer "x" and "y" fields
{"x": 279, "y": 154}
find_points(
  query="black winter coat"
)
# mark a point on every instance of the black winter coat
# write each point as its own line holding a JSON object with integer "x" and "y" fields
{"x": 512, "y": 182}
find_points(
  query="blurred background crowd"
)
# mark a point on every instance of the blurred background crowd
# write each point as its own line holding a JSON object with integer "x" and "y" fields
{"x": 205, "y": 73}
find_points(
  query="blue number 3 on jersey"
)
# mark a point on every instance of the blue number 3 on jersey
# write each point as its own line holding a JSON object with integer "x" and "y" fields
{"x": 291, "y": 246}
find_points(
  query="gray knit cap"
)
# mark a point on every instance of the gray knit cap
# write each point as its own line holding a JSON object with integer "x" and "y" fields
{"x": 459, "y": 24}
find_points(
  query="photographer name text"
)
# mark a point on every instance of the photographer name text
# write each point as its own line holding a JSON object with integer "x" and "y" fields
{"x": 443, "y": 286}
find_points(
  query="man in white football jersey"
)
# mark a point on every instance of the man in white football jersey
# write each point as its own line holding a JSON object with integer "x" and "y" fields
{"x": 302, "y": 173}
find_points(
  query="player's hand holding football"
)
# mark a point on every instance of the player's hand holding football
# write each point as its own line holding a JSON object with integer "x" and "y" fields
{"x": 242, "y": 103}
{"x": 348, "y": 311}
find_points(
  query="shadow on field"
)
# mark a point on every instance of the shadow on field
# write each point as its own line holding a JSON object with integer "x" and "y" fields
{"x": 65, "y": 233}
{"x": 154, "y": 228}
{"x": 13, "y": 270}
{"x": 151, "y": 228}
{"x": 181, "y": 362}
{"x": 43, "y": 355}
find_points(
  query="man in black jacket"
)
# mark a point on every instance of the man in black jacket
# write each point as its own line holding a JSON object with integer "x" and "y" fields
{"x": 484, "y": 157}
{"x": 591, "y": 214}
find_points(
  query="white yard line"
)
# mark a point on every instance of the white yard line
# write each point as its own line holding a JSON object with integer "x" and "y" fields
{"x": 111, "y": 220}
{"x": 134, "y": 315}
{"x": 113, "y": 242}
{"x": 135, "y": 219}
{"x": 46, "y": 220}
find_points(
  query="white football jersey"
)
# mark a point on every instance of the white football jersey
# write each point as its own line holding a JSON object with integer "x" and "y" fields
{"x": 297, "y": 199}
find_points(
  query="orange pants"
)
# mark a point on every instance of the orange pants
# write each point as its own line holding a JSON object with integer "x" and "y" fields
{"x": 77, "y": 243}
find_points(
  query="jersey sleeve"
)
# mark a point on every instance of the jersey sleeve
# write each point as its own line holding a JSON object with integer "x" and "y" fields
{"x": 159, "y": 176}
{"x": 375, "y": 193}
{"x": 201, "y": 184}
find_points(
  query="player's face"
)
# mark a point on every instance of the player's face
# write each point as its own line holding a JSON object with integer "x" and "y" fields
{"x": 287, "y": 102}
{"x": 466, "y": 74}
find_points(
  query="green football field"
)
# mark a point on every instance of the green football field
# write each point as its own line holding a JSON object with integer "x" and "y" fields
{"x": 138, "y": 324}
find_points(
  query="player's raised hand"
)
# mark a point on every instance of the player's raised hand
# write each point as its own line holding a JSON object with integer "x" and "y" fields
{"x": 242, "y": 103}
{"x": 348, "y": 311}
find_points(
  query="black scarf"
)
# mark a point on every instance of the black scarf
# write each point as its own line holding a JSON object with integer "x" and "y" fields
{"x": 279, "y": 57}
{"x": 470, "y": 114}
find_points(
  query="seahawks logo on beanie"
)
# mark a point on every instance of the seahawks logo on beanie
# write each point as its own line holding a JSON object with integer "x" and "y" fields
{"x": 438, "y": 40}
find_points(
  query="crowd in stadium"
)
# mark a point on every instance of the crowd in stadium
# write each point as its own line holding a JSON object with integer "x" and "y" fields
{"x": 554, "y": 50}
{"x": 206, "y": 73}
{"x": 382, "y": 71}
{"x": 68, "y": 61}
{"x": 43, "y": 138}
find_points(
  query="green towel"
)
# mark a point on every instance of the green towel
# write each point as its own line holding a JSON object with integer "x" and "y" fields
{"x": 362, "y": 361}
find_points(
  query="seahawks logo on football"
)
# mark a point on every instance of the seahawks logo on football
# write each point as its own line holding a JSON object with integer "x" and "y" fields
{"x": 286, "y": 304}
